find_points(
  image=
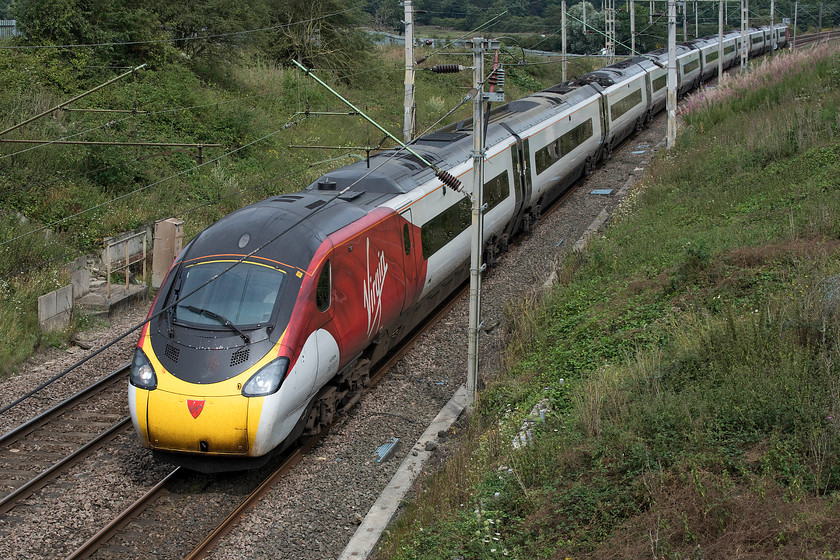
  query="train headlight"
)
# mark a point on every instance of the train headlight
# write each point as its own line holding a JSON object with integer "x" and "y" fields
{"x": 142, "y": 373}
{"x": 267, "y": 380}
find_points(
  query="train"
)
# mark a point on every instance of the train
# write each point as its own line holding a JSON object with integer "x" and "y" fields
{"x": 269, "y": 321}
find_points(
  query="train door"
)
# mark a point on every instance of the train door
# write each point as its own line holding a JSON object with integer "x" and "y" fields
{"x": 412, "y": 257}
{"x": 520, "y": 155}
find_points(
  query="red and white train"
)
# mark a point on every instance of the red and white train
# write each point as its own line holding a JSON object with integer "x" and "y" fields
{"x": 269, "y": 320}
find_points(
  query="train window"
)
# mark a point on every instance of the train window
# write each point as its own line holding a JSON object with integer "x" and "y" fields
{"x": 623, "y": 105}
{"x": 728, "y": 50}
{"x": 713, "y": 55}
{"x": 660, "y": 82}
{"x": 406, "y": 239}
{"x": 547, "y": 156}
{"x": 691, "y": 66}
{"x": 496, "y": 190}
{"x": 445, "y": 227}
{"x": 322, "y": 291}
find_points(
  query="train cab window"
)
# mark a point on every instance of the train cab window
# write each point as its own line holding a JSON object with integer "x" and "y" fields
{"x": 322, "y": 291}
{"x": 406, "y": 239}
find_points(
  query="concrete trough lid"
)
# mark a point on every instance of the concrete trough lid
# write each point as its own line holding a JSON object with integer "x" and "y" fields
{"x": 602, "y": 192}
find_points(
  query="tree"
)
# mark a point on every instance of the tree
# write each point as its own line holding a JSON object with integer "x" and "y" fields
{"x": 208, "y": 29}
{"x": 316, "y": 33}
{"x": 103, "y": 22}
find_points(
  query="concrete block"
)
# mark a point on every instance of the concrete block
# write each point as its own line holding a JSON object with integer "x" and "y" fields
{"x": 46, "y": 307}
{"x": 55, "y": 309}
{"x": 81, "y": 282}
{"x": 168, "y": 242}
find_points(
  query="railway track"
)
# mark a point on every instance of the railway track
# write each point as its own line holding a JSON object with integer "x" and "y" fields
{"x": 811, "y": 38}
{"x": 186, "y": 513}
{"x": 40, "y": 450}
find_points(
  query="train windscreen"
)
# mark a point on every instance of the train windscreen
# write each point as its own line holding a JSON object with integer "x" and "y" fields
{"x": 243, "y": 296}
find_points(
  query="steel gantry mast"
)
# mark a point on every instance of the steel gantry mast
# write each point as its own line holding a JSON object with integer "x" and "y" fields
{"x": 609, "y": 21}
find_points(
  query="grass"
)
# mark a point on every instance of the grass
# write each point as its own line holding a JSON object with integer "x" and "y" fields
{"x": 59, "y": 202}
{"x": 689, "y": 358}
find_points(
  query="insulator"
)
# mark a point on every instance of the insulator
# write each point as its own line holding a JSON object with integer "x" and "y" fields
{"x": 448, "y": 179}
{"x": 447, "y": 68}
{"x": 497, "y": 78}
{"x": 420, "y": 60}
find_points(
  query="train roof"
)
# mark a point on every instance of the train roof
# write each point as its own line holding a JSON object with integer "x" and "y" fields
{"x": 614, "y": 73}
{"x": 306, "y": 217}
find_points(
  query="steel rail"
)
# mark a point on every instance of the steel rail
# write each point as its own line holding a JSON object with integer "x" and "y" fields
{"x": 9, "y": 501}
{"x": 60, "y": 408}
{"x": 132, "y": 511}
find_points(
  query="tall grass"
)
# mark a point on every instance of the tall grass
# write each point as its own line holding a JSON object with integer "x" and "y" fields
{"x": 697, "y": 346}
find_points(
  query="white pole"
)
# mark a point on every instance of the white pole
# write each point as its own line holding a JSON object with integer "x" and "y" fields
{"x": 696, "y": 21}
{"x": 477, "y": 221}
{"x": 408, "y": 119}
{"x": 772, "y": 29}
{"x": 671, "y": 137}
{"x": 795, "y": 15}
{"x": 745, "y": 47}
{"x": 632, "y": 28}
{"x": 563, "y": 36}
{"x": 720, "y": 41}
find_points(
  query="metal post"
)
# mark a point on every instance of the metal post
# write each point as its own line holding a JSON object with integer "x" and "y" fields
{"x": 795, "y": 15}
{"x": 745, "y": 47}
{"x": 696, "y": 21}
{"x": 632, "y": 28}
{"x": 108, "y": 270}
{"x": 477, "y": 233}
{"x": 585, "y": 29}
{"x": 609, "y": 24}
{"x": 685, "y": 20}
{"x": 408, "y": 120}
{"x": 772, "y": 29}
{"x": 819, "y": 25}
{"x": 563, "y": 36}
{"x": 720, "y": 41}
{"x": 671, "y": 102}
{"x": 145, "y": 236}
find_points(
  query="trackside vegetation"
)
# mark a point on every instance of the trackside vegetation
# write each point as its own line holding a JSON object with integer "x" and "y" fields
{"x": 689, "y": 358}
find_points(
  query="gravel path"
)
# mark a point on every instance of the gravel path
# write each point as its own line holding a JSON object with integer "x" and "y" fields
{"x": 314, "y": 511}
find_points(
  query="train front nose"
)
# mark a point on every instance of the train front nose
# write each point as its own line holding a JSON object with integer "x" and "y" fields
{"x": 199, "y": 424}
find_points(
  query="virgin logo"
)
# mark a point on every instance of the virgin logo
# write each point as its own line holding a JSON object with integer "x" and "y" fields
{"x": 195, "y": 407}
{"x": 372, "y": 287}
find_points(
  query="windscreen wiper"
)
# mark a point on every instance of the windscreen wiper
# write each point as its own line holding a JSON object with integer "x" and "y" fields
{"x": 213, "y": 315}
